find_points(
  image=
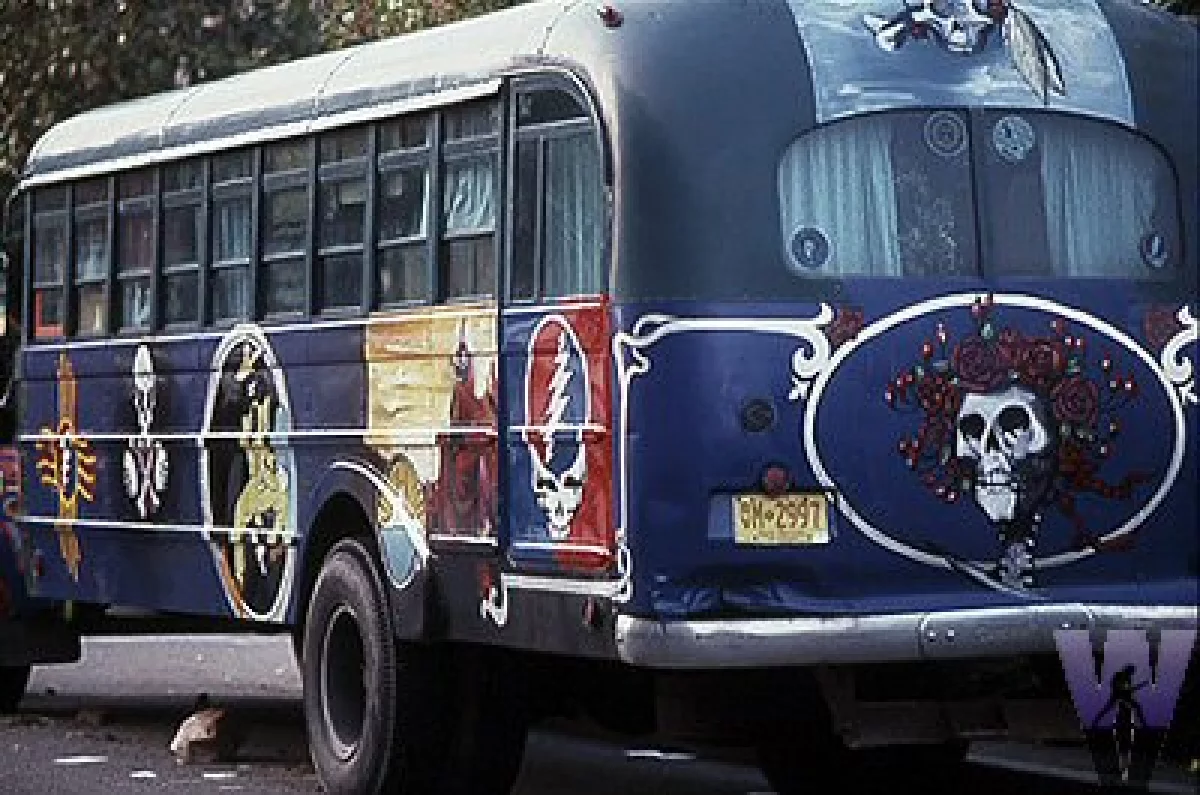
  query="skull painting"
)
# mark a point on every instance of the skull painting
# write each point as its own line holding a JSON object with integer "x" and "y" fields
{"x": 560, "y": 495}
{"x": 558, "y": 408}
{"x": 145, "y": 397}
{"x": 1007, "y": 437}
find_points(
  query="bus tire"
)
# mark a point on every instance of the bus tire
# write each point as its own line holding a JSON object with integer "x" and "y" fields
{"x": 368, "y": 701}
{"x": 13, "y": 681}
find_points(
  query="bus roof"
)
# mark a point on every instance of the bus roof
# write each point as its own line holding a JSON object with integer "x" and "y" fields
{"x": 367, "y": 81}
{"x": 710, "y": 72}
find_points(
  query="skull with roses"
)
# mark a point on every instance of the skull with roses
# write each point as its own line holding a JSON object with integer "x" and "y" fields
{"x": 1017, "y": 422}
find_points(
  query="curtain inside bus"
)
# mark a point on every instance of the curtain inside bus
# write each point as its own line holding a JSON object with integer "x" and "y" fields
{"x": 902, "y": 194}
{"x": 1086, "y": 166}
{"x": 836, "y": 185}
{"x": 574, "y": 213}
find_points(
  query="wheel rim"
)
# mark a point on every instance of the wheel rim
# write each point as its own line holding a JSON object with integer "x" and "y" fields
{"x": 343, "y": 683}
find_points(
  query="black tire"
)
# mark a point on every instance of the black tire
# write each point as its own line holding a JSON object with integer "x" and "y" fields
{"x": 369, "y": 703}
{"x": 13, "y": 681}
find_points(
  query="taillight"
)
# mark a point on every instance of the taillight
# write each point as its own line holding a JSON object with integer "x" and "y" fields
{"x": 776, "y": 480}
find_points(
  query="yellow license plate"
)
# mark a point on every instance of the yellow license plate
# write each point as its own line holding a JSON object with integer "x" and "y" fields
{"x": 786, "y": 519}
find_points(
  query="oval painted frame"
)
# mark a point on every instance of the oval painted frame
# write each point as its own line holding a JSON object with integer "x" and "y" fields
{"x": 965, "y": 300}
{"x": 257, "y": 337}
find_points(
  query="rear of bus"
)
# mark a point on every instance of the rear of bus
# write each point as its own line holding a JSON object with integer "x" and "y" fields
{"x": 908, "y": 330}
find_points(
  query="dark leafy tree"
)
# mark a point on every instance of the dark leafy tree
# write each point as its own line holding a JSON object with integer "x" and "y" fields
{"x": 346, "y": 22}
{"x": 61, "y": 57}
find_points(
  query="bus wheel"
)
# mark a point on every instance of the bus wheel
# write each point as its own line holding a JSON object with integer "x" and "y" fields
{"x": 13, "y": 680}
{"x": 490, "y": 722}
{"x": 792, "y": 768}
{"x": 368, "y": 701}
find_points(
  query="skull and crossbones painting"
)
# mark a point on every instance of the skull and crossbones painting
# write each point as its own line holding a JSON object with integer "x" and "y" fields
{"x": 1020, "y": 424}
{"x": 966, "y": 27}
{"x": 145, "y": 464}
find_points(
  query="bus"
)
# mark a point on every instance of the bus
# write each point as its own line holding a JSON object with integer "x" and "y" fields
{"x": 778, "y": 374}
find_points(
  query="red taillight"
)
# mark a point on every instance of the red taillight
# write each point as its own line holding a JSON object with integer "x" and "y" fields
{"x": 776, "y": 480}
{"x": 610, "y": 16}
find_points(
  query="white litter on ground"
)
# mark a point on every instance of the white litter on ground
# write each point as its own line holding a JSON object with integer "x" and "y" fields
{"x": 81, "y": 760}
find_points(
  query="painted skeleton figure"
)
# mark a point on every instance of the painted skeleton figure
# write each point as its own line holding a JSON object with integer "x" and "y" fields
{"x": 145, "y": 462}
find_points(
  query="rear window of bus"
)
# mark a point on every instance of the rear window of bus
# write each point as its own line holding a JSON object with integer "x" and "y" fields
{"x": 946, "y": 193}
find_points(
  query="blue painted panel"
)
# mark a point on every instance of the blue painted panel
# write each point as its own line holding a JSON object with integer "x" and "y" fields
{"x": 1091, "y": 496}
{"x": 175, "y": 551}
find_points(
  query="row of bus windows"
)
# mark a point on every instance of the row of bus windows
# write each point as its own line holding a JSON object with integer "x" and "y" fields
{"x": 395, "y": 213}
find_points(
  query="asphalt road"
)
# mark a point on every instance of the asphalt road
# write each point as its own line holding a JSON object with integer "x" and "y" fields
{"x": 104, "y": 726}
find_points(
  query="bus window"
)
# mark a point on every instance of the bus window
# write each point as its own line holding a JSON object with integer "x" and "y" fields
{"x": 231, "y": 231}
{"x": 574, "y": 216}
{"x": 49, "y": 261}
{"x": 135, "y": 247}
{"x": 90, "y": 218}
{"x": 284, "y": 226}
{"x": 885, "y": 195}
{"x": 559, "y": 221}
{"x": 1046, "y": 174}
{"x": 544, "y": 106}
{"x": 341, "y": 225}
{"x": 402, "y": 265}
{"x": 182, "y": 235}
{"x": 469, "y": 184}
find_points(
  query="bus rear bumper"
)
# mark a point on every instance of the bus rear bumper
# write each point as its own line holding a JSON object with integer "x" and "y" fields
{"x": 903, "y": 637}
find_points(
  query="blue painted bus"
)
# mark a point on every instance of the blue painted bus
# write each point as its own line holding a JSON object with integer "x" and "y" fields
{"x": 780, "y": 373}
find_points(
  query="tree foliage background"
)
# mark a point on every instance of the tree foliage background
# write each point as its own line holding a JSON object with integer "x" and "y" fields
{"x": 61, "y": 57}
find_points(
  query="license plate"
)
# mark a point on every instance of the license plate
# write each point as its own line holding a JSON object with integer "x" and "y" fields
{"x": 786, "y": 519}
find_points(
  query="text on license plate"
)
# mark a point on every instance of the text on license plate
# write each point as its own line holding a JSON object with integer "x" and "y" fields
{"x": 786, "y": 519}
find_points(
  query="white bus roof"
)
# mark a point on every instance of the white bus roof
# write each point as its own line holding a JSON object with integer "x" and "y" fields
{"x": 372, "y": 80}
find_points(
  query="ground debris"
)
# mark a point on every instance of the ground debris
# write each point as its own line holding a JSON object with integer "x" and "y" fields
{"x": 91, "y": 717}
{"x": 208, "y": 735}
{"x": 25, "y": 721}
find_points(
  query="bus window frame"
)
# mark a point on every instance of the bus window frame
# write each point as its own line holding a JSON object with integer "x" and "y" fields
{"x": 106, "y": 210}
{"x": 392, "y": 161}
{"x": 539, "y": 133}
{"x": 279, "y": 182}
{"x": 492, "y": 145}
{"x": 336, "y": 174}
{"x": 196, "y": 196}
{"x": 62, "y": 216}
{"x": 120, "y": 273}
{"x": 239, "y": 187}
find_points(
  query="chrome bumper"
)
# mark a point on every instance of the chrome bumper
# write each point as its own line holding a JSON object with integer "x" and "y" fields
{"x": 958, "y": 634}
